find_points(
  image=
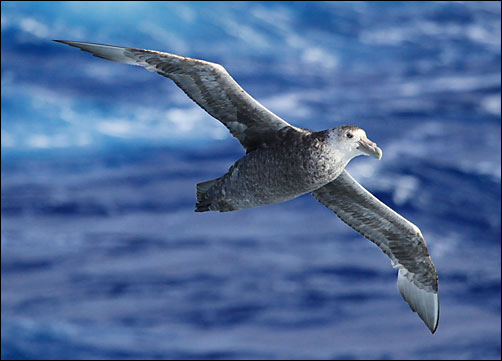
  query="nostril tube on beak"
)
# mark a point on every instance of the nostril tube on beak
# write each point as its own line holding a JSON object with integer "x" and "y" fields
{"x": 370, "y": 148}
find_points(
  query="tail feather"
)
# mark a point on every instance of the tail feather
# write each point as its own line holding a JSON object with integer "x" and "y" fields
{"x": 203, "y": 197}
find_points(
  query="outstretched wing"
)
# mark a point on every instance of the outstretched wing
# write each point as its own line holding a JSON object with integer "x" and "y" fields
{"x": 398, "y": 238}
{"x": 207, "y": 84}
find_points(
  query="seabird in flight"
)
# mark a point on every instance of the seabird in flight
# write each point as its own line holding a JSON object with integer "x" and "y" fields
{"x": 283, "y": 162}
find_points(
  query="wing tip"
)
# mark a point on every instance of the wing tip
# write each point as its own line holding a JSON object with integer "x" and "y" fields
{"x": 67, "y": 42}
{"x": 108, "y": 52}
{"x": 424, "y": 303}
{"x": 62, "y": 41}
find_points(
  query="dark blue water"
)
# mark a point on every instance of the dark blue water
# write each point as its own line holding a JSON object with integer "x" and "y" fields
{"x": 102, "y": 254}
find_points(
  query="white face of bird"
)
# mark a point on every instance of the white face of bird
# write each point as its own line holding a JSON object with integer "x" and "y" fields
{"x": 352, "y": 141}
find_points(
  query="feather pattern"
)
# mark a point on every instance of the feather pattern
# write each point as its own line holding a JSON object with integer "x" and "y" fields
{"x": 207, "y": 84}
{"x": 398, "y": 238}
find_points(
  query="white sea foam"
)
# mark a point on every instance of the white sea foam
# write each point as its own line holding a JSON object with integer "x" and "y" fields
{"x": 34, "y": 27}
{"x": 491, "y": 104}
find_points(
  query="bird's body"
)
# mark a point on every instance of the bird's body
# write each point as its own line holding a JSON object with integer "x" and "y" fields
{"x": 298, "y": 163}
{"x": 283, "y": 161}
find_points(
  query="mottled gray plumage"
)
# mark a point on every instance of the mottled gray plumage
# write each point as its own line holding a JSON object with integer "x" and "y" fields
{"x": 300, "y": 162}
{"x": 283, "y": 162}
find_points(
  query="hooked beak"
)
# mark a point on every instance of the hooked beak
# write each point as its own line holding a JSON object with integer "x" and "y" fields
{"x": 370, "y": 148}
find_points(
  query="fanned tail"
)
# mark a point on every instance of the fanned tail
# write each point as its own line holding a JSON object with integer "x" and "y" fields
{"x": 204, "y": 198}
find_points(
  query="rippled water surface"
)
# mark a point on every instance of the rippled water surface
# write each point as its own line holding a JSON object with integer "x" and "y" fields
{"x": 102, "y": 254}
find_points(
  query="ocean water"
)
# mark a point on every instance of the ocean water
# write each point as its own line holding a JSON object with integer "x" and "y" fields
{"x": 102, "y": 256}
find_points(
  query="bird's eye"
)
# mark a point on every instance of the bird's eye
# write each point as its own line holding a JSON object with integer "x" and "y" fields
{"x": 349, "y": 135}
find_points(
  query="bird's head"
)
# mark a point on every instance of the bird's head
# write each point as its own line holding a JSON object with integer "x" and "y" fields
{"x": 352, "y": 141}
